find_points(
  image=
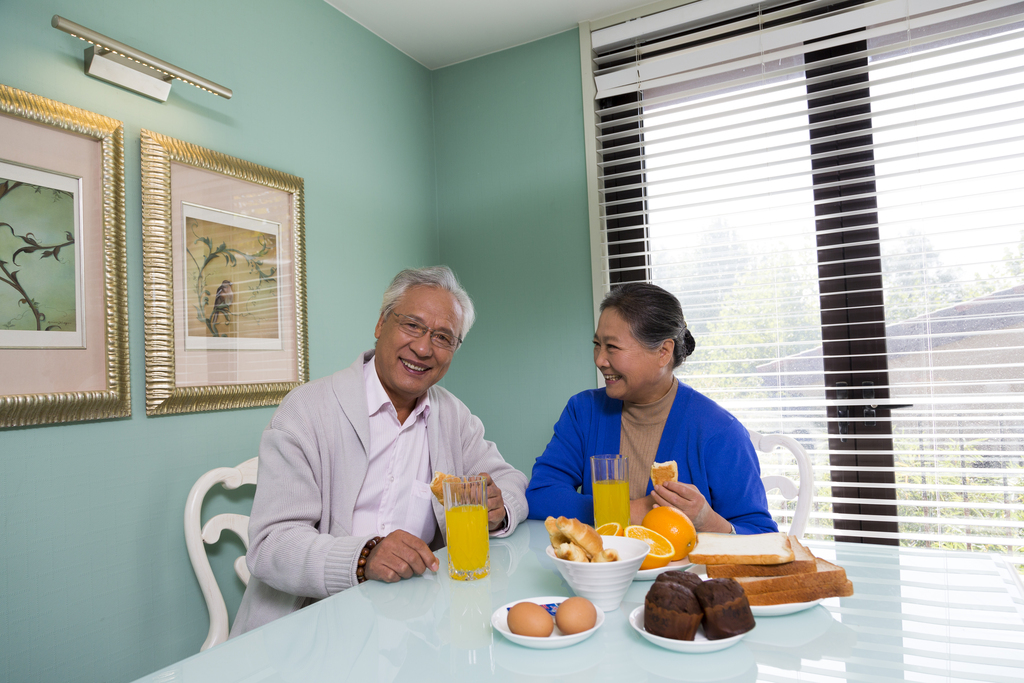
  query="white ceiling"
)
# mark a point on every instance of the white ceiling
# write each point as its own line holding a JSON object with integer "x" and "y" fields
{"x": 439, "y": 33}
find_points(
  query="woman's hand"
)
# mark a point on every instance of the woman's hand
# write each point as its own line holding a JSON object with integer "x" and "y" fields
{"x": 688, "y": 499}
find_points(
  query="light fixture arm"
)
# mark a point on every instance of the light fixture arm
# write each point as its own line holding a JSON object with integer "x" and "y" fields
{"x": 163, "y": 70}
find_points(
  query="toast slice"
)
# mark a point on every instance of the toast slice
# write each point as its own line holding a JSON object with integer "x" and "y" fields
{"x": 803, "y": 563}
{"x": 801, "y": 595}
{"x": 771, "y": 548}
{"x": 827, "y": 577}
{"x": 664, "y": 471}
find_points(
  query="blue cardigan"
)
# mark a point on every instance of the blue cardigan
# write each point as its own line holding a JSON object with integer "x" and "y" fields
{"x": 712, "y": 448}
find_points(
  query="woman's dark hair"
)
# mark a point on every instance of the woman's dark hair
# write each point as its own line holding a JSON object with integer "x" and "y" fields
{"x": 653, "y": 315}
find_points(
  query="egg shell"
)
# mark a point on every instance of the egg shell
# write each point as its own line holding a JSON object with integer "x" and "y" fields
{"x": 530, "y": 619}
{"x": 575, "y": 615}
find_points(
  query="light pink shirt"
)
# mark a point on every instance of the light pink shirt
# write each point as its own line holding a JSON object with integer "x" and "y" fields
{"x": 396, "y": 492}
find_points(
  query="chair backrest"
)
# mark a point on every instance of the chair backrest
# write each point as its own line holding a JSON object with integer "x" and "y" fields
{"x": 198, "y": 535}
{"x": 804, "y": 493}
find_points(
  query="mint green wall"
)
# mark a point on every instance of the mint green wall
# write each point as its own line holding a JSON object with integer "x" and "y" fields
{"x": 479, "y": 165}
{"x": 95, "y": 584}
{"x": 512, "y": 216}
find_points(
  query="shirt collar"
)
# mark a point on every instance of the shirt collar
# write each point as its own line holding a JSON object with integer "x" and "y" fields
{"x": 377, "y": 399}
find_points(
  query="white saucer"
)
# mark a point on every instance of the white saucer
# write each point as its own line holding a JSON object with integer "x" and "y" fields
{"x": 698, "y": 645}
{"x": 652, "y": 574}
{"x": 499, "y": 620}
{"x": 779, "y": 610}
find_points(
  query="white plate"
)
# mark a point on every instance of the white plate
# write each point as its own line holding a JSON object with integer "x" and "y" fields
{"x": 499, "y": 620}
{"x": 699, "y": 644}
{"x": 652, "y": 574}
{"x": 779, "y": 610}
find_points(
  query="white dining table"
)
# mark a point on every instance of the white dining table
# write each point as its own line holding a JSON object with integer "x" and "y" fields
{"x": 917, "y": 614}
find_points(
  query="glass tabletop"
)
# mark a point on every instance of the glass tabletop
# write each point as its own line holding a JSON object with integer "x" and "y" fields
{"x": 916, "y": 615}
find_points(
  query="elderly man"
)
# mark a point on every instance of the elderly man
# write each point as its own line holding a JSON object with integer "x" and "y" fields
{"x": 346, "y": 461}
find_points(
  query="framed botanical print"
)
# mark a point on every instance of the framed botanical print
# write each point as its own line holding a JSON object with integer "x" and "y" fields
{"x": 63, "y": 303}
{"x": 224, "y": 268}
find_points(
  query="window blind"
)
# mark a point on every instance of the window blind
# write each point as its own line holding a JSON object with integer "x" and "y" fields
{"x": 835, "y": 192}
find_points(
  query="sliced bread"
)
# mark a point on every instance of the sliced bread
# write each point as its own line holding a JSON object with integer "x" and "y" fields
{"x": 771, "y": 548}
{"x": 803, "y": 563}
{"x": 801, "y": 595}
{"x": 827, "y": 576}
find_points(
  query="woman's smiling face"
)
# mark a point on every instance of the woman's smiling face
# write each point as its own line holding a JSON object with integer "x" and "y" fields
{"x": 631, "y": 372}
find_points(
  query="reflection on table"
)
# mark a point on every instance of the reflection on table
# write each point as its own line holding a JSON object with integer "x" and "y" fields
{"x": 917, "y": 615}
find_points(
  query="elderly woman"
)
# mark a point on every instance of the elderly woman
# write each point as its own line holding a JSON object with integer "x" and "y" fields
{"x": 646, "y": 414}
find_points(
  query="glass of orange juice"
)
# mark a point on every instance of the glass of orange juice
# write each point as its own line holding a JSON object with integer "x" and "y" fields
{"x": 609, "y": 478}
{"x": 465, "y": 517}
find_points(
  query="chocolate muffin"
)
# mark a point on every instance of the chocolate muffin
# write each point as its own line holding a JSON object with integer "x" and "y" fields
{"x": 686, "y": 579}
{"x": 671, "y": 611}
{"x": 726, "y": 609}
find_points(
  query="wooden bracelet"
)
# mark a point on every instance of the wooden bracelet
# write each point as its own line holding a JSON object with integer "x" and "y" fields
{"x": 363, "y": 554}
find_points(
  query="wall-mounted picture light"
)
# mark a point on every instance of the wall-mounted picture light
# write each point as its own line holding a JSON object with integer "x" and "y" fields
{"x": 123, "y": 65}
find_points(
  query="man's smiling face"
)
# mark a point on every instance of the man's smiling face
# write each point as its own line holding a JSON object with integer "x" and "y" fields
{"x": 407, "y": 366}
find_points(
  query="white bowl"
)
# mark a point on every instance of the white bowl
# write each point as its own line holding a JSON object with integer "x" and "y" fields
{"x": 604, "y": 583}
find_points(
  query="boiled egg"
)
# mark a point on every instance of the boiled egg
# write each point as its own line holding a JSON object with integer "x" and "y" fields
{"x": 530, "y": 619}
{"x": 575, "y": 615}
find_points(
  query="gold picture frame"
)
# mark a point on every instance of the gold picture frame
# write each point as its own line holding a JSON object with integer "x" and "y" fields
{"x": 46, "y": 383}
{"x": 208, "y": 218}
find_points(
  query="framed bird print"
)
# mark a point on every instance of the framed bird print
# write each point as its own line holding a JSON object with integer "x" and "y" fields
{"x": 224, "y": 271}
{"x": 63, "y": 303}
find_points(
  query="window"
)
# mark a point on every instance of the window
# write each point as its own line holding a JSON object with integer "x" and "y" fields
{"x": 835, "y": 192}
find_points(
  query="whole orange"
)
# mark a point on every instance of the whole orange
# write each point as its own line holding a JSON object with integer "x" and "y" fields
{"x": 675, "y": 526}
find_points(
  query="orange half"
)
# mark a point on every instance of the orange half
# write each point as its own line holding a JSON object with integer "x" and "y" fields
{"x": 675, "y": 526}
{"x": 610, "y": 529}
{"x": 661, "y": 548}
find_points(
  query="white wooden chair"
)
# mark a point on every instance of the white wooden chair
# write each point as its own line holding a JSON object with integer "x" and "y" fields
{"x": 804, "y": 493}
{"x": 198, "y": 535}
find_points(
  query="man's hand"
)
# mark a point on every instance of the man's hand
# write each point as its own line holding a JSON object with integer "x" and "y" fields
{"x": 495, "y": 504}
{"x": 399, "y": 556}
{"x": 691, "y": 502}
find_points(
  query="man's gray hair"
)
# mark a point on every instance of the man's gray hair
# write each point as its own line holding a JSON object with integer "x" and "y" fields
{"x": 440, "y": 277}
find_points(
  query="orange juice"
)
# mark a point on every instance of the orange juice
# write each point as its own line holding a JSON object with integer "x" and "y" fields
{"x": 611, "y": 502}
{"x": 467, "y": 541}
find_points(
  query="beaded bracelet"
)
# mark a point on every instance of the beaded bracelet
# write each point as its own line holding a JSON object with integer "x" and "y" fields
{"x": 363, "y": 554}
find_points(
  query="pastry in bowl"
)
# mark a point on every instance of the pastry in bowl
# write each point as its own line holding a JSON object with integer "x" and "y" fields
{"x": 604, "y": 583}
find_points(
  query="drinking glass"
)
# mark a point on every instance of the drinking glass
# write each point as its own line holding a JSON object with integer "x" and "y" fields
{"x": 465, "y": 516}
{"x": 609, "y": 478}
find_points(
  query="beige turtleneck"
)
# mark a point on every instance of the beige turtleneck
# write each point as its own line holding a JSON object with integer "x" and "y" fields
{"x": 641, "y": 433}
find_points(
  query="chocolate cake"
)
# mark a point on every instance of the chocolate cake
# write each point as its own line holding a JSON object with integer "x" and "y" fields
{"x": 726, "y": 609}
{"x": 687, "y": 579}
{"x": 671, "y": 611}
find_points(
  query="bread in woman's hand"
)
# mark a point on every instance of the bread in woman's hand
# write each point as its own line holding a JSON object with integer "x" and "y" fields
{"x": 664, "y": 471}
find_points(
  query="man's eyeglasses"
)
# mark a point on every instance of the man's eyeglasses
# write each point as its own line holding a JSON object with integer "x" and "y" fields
{"x": 413, "y": 328}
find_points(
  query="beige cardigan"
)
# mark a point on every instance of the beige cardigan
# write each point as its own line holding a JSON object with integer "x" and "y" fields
{"x": 300, "y": 549}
